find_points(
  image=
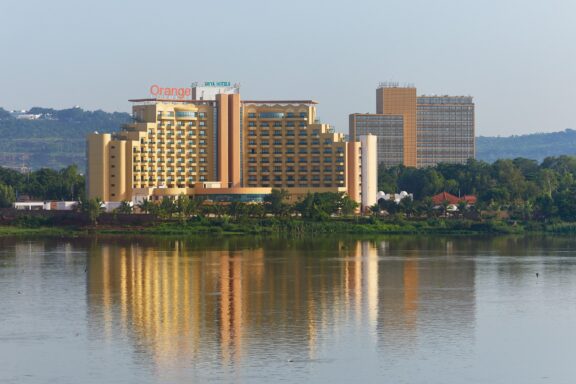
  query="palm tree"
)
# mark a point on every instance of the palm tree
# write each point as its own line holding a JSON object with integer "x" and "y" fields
{"x": 125, "y": 207}
{"x": 146, "y": 206}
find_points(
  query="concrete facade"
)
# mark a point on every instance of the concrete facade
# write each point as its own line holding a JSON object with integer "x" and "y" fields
{"x": 177, "y": 146}
{"x": 435, "y": 129}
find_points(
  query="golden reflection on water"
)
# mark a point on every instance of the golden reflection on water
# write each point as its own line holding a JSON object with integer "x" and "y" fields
{"x": 181, "y": 301}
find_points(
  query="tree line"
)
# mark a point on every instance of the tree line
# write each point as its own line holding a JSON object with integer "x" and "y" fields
{"x": 314, "y": 206}
{"x": 41, "y": 185}
{"x": 522, "y": 187}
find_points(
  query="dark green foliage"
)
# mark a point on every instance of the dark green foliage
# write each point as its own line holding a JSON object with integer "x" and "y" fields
{"x": 276, "y": 202}
{"x": 46, "y": 184}
{"x": 320, "y": 206}
{"x": 7, "y": 196}
{"x": 91, "y": 207}
{"x": 522, "y": 187}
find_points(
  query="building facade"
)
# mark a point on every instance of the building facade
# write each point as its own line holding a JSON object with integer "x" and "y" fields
{"x": 221, "y": 147}
{"x": 435, "y": 129}
{"x": 390, "y": 132}
{"x": 445, "y": 130}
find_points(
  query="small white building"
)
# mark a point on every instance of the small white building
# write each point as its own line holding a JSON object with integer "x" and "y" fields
{"x": 396, "y": 197}
{"x": 46, "y": 205}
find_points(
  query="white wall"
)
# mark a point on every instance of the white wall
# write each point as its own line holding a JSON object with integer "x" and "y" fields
{"x": 369, "y": 170}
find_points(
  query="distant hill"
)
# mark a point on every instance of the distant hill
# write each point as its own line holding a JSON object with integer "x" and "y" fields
{"x": 45, "y": 137}
{"x": 535, "y": 146}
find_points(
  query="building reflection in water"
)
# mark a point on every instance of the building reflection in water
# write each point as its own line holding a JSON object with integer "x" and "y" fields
{"x": 177, "y": 302}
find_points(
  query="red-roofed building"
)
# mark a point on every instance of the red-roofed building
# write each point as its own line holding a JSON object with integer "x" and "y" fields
{"x": 451, "y": 199}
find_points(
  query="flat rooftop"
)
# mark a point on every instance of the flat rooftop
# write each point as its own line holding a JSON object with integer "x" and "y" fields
{"x": 189, "y": 101}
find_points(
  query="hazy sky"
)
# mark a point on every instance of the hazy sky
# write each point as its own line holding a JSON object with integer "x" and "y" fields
{"x": 516, "y": 57}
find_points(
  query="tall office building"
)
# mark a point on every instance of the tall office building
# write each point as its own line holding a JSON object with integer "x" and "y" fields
{"x": 445, "y": 130}
{"x": 434, "y": 129}
{"x": 389, "y": 129}
{"x": 400, "y": 101}
{"x": 222, "y": 148}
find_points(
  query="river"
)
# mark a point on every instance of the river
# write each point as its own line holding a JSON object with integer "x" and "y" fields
{"x": 399, "y": 309}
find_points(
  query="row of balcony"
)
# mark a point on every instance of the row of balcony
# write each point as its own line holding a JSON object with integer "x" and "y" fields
{"x": 326, "y": 180}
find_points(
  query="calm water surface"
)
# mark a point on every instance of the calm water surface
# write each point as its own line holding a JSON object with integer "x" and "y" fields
{"x": 324, "y": 310}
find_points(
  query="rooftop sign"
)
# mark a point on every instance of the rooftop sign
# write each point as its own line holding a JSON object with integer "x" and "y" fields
{"x": 216, "y": 83}
{"x": 177, "y": 93}
{"x": 212, "y": 84}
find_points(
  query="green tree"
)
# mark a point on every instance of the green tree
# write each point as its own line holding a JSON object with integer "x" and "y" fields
{"x": 276, "y": 202}
{"x": 125, "y": 207}
{"x": 7, "y": 196}
{"x": 407, "y": 206}
{"x": 93, "y": 208}
{"x": 182, "y": 206}
{"x": 146, "y": 206}
{"x": 167, "y": 207}
{"x": 348, "y": 206}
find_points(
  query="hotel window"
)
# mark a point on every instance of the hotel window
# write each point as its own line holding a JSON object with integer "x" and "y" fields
{"x": 202, "y": 115}
{"x": 251, "y": 115}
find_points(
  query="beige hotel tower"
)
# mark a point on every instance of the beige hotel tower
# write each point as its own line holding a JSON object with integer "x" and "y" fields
{"x": 206, "y": 141}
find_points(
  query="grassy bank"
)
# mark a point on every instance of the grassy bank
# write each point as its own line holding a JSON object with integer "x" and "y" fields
{"x": 38, "y": 231}
{"x": 290, "y": 226}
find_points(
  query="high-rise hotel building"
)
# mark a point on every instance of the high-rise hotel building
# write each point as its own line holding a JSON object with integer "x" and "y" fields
{"x": 223, "y": 148}
{"x": 418, "y": 131}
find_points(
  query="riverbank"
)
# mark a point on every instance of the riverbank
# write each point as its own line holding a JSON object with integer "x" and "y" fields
{"x": 291, "y": 226}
